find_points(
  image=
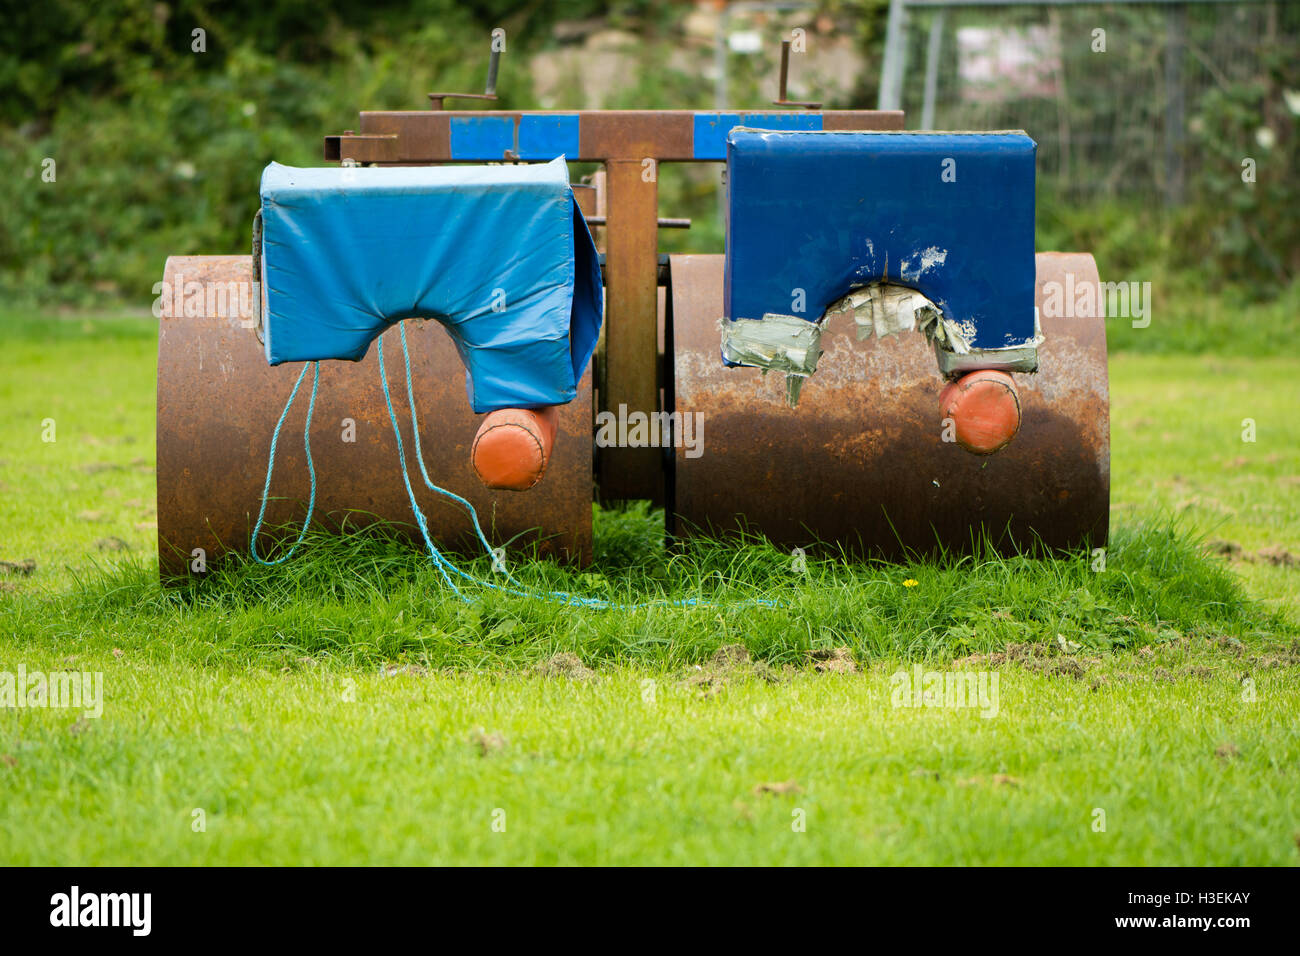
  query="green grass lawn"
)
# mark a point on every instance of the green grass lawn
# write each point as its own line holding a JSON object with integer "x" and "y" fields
{"x": 1177, "y": 432}
{"x": 344, "y": 708}
{"x": 417, "y": 769}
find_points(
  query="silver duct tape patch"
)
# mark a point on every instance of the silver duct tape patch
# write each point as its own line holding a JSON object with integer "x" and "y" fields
{"x": 1012, "y": 358}
{"x": 782, "y": 343}
{"x": 1018, "y": 358}
{"x": 789, "y": 344}
{"x": 882, "y": 309}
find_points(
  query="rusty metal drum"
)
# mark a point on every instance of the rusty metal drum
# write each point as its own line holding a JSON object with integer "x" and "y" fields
{"x": 861, "y": 463}
{"x": 219, "y": 400}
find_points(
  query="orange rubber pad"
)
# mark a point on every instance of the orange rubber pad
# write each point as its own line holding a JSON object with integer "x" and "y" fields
{"x": 985, "y": 410}
{"x": 513, "y": 447}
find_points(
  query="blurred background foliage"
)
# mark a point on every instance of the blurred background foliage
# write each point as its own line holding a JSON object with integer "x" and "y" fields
{"x": 158, "y": 147}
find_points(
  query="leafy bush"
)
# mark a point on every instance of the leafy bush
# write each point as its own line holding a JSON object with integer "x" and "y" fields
{"x": 170, "y": 163}
{"x": 1244, "y": 218}
{"x": 157, "y": 149}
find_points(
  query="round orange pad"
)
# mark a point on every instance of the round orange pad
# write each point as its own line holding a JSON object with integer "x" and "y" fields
{"x": 513, "y": 447}
{"x": 985, "y": 410}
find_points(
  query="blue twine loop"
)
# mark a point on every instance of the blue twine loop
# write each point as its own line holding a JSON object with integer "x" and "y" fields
{"x": 446, "y": 568}
{"x": 443, "y": 564}
{"x": 270, "y": 465}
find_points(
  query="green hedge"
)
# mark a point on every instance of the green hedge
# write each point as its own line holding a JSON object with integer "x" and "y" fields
{"x": 157, "y": 149}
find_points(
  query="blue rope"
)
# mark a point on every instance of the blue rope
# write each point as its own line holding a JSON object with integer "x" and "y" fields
{"x": 445, "y": 567}
{"x": 419, "y": 455}
{"x": 270, "y": 465}
{"x": 443, "y": 564}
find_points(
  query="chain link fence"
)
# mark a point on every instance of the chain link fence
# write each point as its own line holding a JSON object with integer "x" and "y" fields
{"x": 1112, "y": 92}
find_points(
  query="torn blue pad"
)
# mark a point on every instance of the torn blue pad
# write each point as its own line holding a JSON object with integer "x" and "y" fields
{"x": 500, "y": 255}
{"x": 948, "y": 214}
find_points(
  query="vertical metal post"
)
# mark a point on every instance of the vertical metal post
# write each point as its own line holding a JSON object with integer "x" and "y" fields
{"x": 632, "y": 335}
{"x": 720, "y": 61}
{"x": 891, "y": 71}
{"x": 932, "y": 51}
{"x": 785, "y": 70}
{"x": 1175, "y": 24}
{"x": 720, "y": 96}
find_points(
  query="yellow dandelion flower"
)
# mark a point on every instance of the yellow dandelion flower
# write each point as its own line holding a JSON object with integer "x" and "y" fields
{"x": 910, "y": 583}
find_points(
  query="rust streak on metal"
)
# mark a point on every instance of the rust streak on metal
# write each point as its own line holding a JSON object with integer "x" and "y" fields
{"x": 847, "y": 120}
{"x": 419, "y": 135}
{"x": 634, "y": 134}
{"x": 370, "y": 148}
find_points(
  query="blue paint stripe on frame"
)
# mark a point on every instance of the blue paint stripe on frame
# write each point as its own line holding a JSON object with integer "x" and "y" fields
{"x": 481, "y": 138}
{"x": 783, "y": 121}
{"x": 549, "y": 137}
{"x": 486, "y": 138}
{"x": 711, "y": 129}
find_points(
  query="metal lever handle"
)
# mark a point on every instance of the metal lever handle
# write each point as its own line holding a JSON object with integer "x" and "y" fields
{"x": 785, "y": 75}
{"x": 489, "y": 90}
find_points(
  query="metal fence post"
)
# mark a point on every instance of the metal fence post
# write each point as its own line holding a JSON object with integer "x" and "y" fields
{"x": 1175, "y": 26}
{"x": 891, "y": 71}
{"x": 932, "y": 51}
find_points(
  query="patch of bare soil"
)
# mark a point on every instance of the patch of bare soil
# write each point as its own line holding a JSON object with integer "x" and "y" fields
{"x": 1276, "y": 655}
{"x": 732, "y": 662}
{"x": 1277, "y": 556}
{"x": 1226, "y": 549}
{"x": 779, "y": 789}
{"x": 565, "y": 665}
{"x": 997, "y": 780}
{"x": 837, "y": 660}
{"x": 1059, "y": 667}
{"x": 485, "y": 742}
{"x": 1037, "y": 658}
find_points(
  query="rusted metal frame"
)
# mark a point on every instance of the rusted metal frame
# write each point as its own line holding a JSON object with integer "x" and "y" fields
{"x": 631, "y": 347}
{"x": 424, "y": 136}
{"x": 630, "y": 144}
{"x": 662, "y": 223}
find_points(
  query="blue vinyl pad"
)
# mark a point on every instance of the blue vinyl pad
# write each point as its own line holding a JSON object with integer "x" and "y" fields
{"x": 500, "y": 255}
{"x": 948, "y": 214}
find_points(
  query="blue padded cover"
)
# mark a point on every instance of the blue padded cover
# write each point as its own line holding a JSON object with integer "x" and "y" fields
{"x": 500, "y": 255}
{"x": 825, "y": 212}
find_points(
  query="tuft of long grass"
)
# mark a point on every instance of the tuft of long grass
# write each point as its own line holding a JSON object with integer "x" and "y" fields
{"x": 370, "y": 596}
